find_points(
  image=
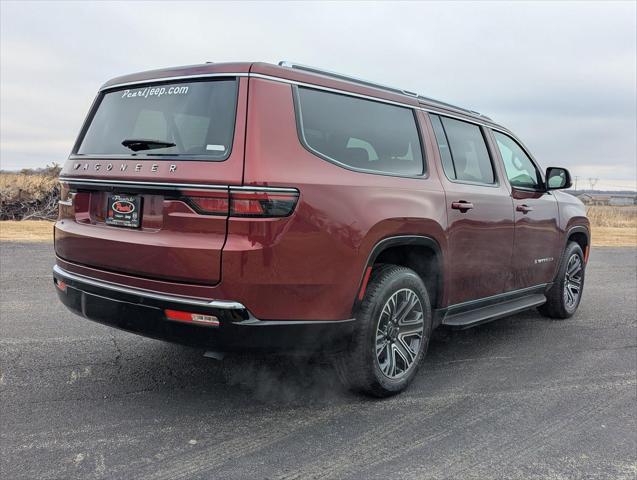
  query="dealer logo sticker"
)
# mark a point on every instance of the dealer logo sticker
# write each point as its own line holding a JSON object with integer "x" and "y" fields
{"x": 123, "y": 206}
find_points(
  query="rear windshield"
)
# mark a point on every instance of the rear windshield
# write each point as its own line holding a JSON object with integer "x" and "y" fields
{"x": 174, "y": 119}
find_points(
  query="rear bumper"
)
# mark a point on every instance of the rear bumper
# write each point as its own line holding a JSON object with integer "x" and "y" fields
{"x": 142, "y": 312}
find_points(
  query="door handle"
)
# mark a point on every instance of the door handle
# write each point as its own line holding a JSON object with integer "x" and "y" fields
{"x": 524, "y": 208}
{"x": 462, "y": 205}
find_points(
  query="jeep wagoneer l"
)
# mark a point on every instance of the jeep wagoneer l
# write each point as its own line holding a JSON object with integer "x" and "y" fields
{"x": 249, "y": 206}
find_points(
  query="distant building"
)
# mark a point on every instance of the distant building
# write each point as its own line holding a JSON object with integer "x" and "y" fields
{"x": 623, "y": 200}
{"x": 616, "y": 200}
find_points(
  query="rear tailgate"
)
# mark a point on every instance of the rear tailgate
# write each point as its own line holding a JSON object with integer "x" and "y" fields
{"x": 188, "y": 147}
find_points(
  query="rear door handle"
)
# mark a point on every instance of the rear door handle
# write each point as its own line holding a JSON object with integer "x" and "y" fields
{"x": 524, "y": 208}
{"x": 462, "y": 205}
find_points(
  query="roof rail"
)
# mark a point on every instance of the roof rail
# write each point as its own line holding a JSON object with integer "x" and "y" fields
{"x": 360, "y": 81}
{"x": 348, "y": 78}
{"x": 450, "y": 105}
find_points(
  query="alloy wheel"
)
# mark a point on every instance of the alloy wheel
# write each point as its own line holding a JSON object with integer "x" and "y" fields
{"x": 399, "y": 333}
{"x": 573, "y": 281}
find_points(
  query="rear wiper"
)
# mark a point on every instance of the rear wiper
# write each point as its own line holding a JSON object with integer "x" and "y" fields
{"x": 137, "y": 144}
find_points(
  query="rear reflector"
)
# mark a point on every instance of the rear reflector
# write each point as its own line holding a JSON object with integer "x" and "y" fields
{"x": 244, "y": 203}
{"x": 189, "y": 317}
{"x": 61, "y": 284}
{"x": 361, "y": 294}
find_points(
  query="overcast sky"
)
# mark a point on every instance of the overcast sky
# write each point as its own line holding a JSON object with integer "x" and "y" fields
{"x": 560, "y": 75}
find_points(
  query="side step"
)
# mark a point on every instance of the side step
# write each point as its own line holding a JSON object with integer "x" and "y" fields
{"x": 476, "y": 316}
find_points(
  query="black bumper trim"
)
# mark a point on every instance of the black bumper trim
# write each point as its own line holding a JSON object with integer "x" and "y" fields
{"x": 142, "y": 312}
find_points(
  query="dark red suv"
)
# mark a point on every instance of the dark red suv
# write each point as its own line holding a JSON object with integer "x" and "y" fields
{"x": 249, "y": 206}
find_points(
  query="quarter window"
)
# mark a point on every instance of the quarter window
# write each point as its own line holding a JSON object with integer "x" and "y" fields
{"x": 463, "y": 150}
{"x": 358, "y": 133}
{"x": 520, "y": 169}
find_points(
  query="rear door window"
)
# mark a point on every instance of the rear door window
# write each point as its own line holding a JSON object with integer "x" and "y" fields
{"x": 193, "y": 119}
{"x": 358, "y": 133}
{"x": 463, "y": 150}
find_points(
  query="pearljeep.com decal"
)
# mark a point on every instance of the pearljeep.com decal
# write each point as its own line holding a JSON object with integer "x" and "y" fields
{"x": 156, "y": 91}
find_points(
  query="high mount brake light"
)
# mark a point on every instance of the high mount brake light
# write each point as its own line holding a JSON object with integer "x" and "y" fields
{"x": 244, "y": 203}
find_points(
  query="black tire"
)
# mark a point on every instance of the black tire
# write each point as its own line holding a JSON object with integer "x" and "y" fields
{"x": 559, "y": 304}
{"x": 360, "y": 367}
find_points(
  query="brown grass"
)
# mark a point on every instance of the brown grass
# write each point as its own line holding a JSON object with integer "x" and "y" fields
{"x": 613, "y": 226}
{"x": 29, "y": 194}
{"x": 25, "y": 186}
{"x": 614, "y": 237}
{"x": 623, "y": 217}
{"x": 26, "y": 231}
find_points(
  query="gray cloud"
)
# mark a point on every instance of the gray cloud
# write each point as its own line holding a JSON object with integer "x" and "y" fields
{"x": 561, "y": 75}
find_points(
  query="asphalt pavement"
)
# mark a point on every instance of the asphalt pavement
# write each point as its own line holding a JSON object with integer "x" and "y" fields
{"x": 519, "y": 398}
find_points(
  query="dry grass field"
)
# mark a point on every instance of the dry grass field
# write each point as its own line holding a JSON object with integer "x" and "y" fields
{"x": 25, "y": 186}
{"x": 613, "y": 226}
{"x": 26, "y": 231}
{"x": 29, "y": 194}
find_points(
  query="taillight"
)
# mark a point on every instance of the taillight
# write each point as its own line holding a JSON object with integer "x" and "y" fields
{"x": 65, "y": 203}
{"x": 209, "y": 203}
{"x": 244, "y": 202}
{"x": 65, "y": 194}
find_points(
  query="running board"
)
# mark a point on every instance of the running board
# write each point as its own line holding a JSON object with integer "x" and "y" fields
{"x": 476, "y": 316}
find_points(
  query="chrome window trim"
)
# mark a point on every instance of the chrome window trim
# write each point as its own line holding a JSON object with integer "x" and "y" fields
{"x": 435, "y": 110}
{"x": 301, "y": 131}
{"x": 221, "y": 304}
{"x": 189, "y": 186}
{"x": 429, "y": 109}
{"x": 496, "y": 179}
{"x": 171, "y": 79}
{"x": 432, "y": 109}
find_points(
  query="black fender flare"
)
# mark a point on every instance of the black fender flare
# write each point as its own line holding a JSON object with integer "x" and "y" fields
{"x": 577, "y": 229}
{"x": 400, "y": 240}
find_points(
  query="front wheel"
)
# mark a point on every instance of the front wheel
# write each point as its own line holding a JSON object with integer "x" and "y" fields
{"x": 394, "y": 327}
{"x": 566, "y": 292}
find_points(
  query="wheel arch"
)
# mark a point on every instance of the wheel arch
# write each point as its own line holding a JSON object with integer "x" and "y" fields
{"x": 580, "y": 235}
{"x": 418, "y": 252}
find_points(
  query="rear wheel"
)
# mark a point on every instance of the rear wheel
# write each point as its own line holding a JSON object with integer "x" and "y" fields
{"x": 394, "y": 326}
{"x": 564, "y": 296}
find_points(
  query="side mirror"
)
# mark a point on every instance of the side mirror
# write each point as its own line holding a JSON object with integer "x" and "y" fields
{"x": 557, "y": 178}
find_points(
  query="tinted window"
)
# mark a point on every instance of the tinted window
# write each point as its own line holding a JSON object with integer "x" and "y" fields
{"x": 443, "y": 147}
{"x": 198, "y": 118}
{"x": 359, "y": 133}
{"x": 520, "y": 170}
{"x": 463, "y": 150}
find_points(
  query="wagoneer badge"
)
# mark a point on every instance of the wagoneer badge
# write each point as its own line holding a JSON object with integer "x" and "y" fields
{"x": 154, "y": 168}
